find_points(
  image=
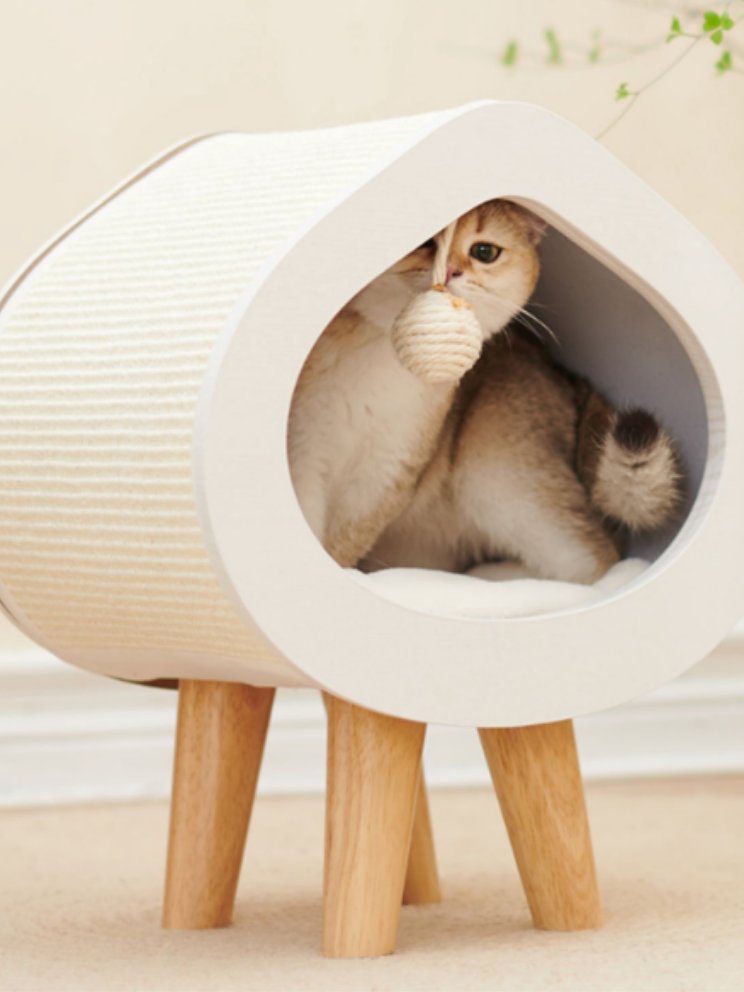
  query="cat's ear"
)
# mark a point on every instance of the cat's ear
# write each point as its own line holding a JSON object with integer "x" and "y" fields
{"x": 535, "y": 226}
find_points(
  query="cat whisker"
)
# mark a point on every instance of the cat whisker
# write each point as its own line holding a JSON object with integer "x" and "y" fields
{"x": 525, "y": 320}
{"x": 519, "y": 319}
{"x": 528, "y": 320}
{"x": 540, "y": 323}
{"x": 546, "y": 306}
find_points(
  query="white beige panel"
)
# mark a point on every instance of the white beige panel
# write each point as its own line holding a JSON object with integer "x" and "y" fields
{"x": 102, "y": 354}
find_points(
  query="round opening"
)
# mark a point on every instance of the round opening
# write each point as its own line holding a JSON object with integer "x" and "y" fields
{"x": 603, "y": 329}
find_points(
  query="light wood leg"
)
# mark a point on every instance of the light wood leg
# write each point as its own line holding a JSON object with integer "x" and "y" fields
{"x": 537, "y": 778}
{"x": 219, "y": 745}
{"x": 422, "y": 878}
{"x": 374, "y": 766}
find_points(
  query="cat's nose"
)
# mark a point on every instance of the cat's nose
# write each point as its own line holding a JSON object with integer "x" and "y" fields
{"x": 452, "y": 273}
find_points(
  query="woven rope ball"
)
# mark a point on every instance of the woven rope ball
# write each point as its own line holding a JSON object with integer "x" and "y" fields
{"x": 437, "y": 336}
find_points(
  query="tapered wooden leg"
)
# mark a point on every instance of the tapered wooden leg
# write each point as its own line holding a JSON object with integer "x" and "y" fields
{"x": 374, "y": 766}
{"x": 422, "y": 878}
{"x": 536, "y": 774}
{"x": 219, "y": 745}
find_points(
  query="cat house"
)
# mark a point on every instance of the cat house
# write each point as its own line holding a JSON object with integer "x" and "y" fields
{"x": 148, "y": 357}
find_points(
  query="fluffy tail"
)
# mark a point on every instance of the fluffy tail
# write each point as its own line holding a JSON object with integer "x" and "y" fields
{"x": 637, "y": 479}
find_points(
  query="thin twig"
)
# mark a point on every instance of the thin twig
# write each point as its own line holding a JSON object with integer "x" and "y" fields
{"x": 657, "y": 78}
{"x": 637, "y": 93}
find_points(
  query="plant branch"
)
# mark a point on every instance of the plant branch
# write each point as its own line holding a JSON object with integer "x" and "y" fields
{"x": 635, "y": 94}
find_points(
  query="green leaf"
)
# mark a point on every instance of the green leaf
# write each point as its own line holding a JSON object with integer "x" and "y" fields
{"x": 725, "y": 63}
{"x": 711, "y": 20}
{"x": 622, "y": 92}
{"x": 675, "y": 30}
{"x": 727, "y": 22}
{"x": 510, "y": 53}
{"x": 555, "y": 51}
{"x": 596, "y": 49}
{"x": 717, "y": 37}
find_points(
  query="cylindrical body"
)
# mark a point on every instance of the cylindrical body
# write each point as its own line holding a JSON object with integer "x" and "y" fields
{"x": 148, "y": 526}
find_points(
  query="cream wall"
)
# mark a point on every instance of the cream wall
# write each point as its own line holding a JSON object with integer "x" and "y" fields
{"x": 91, "y": 88}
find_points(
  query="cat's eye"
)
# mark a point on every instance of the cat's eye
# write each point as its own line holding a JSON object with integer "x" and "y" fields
{"x": 484, "y": 251}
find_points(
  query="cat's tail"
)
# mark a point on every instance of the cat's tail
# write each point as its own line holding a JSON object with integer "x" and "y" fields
{"x": 637, "y": 476}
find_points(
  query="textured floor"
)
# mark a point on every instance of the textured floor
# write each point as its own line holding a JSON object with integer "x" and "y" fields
{"x": 80, "y": 894}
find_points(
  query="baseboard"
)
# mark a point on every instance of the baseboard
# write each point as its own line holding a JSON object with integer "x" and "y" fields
{"x": 70, "y": 737}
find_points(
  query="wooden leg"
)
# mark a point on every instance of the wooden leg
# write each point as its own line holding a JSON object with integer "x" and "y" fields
{"x": 536, "y": 774}
{"x": 422, "y": 877}
{"x": 219, "y": 745}
{"x": 374, "y": 766}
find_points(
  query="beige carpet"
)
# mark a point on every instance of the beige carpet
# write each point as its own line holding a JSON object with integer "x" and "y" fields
{"x": 81, "y": 888}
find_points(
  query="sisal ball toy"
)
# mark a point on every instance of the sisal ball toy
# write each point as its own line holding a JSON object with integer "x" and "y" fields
{"x": 437, "y": 336}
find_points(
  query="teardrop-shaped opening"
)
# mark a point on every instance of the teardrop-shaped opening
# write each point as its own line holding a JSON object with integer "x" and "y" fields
{"x": 594, "y": 323}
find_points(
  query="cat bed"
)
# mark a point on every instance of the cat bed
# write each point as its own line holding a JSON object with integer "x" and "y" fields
{"x": 493, "y": 591}
{"x": 148, "y": 358}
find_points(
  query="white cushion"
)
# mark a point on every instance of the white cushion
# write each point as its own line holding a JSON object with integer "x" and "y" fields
{"x": 510, "y": 590}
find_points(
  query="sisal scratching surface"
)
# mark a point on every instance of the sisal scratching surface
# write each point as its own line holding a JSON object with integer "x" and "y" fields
{"x": 102, "y": 356}
{"x": 81, "y": 894}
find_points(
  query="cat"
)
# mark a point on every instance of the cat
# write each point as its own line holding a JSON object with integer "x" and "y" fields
{"x": 520, "y": 460}
{"x": 362, "y": 429}
{"x": 532, "y": 464}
